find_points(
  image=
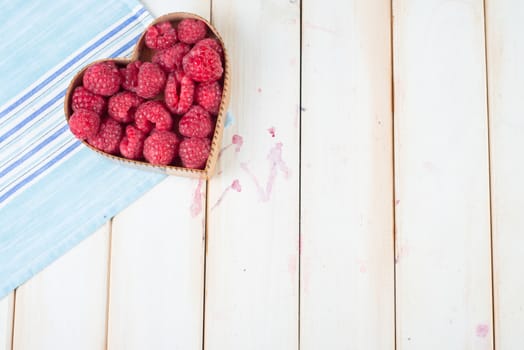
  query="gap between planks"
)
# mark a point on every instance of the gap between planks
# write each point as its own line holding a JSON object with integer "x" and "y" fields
{"x": 490, "y": 178}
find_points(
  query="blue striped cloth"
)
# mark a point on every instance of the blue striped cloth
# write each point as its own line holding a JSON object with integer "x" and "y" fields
{"x": 53, "y": 191}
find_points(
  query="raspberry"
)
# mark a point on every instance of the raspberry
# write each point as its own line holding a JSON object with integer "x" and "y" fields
{"x": 102, "y": 78}
{"x": 122, "y": 106}
{"x": 153, "y": 112}
{"x": 160, "y": 36}
{"x": 212, "y": 43}
{"x": 130, "y": 75}
{"x": 151, "y": 80}
{"x": 203, "y": 64}
{"x": 179, "y": 74}
{"x": 85, "y": 99}
{"x": 195, "y": 123}
{"x": 209, "y": 96}
{"x": 171, "y": 92}
{"x": 108, "y": 137}
{"x": 191, "y": 30}
{"x": 194, "y": 152}
{"x": 132, "y": 144}
{"x": 84, "y": 123}
{"x": 187, "y": 91}
{"x": 171, "y": 58}
{"x": 161, "y": 147}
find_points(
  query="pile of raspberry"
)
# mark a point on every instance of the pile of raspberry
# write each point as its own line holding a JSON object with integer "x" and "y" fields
{"x": 163, "y": 111}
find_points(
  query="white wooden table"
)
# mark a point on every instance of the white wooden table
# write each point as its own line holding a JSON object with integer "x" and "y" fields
{"x": 369, "y": 195}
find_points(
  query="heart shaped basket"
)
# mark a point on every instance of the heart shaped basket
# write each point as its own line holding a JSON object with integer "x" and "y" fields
{"x": 143, "y": 53}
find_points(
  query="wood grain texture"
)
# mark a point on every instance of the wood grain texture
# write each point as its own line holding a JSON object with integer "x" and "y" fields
{"x": 157, "y": 261}
{"x": 252, "y": 255}
{"x": 6, "y": 321}
{"x": 64, "y": 306}
{"x": 347, "y": 280}
{"x": 505, "y": 54}
{"x": 443, "y": 283}
{"x": 156, "y": 278}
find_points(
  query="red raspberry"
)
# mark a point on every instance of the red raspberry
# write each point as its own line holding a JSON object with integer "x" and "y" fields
{"x": 212, "y": 43}
{"x": 84, "y": 123}
{"x": 153, "y": 112}
{"x": 85, "y": 99}
{"x": 191, "y": 30}
{"x": 171, "y": 58}
{"x": 160, "y": 36}
{"x": 132, "y": 144}
{"x": 195, "y": 123}
{"x": 171, "y": 92}
{"x": 122, "y": 106}
{"x": 102, "y": 78}
{"x": 209, "y": 96}
{"x": 179, "y": 74}
{"x": 187, "y": 92}
{"x": 151, "y": 80}
{"x": 108, "y": 137}
{"x": 130, "y": 75}
{"x": 161, "y": 147}
{"x": 203, "y": 64}
{"x": 194, "y": 152}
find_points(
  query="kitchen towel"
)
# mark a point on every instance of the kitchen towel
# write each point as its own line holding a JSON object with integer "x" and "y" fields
{"x": 54, "y": 192}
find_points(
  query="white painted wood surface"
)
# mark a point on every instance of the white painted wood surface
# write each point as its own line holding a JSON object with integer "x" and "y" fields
{"x": 6, "y": 321}
{"x": 347, "y": 281}
{"x": 505, "y": 43}
{"x": 142, "y": 283}
{"x": 443, "y": 275}
{"x": 64, "y": 307}
{"x": 252, "y": 250}
{"x": 157, "y": 271}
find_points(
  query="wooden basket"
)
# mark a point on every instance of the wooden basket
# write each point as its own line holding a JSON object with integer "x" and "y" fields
{"x": 143, "y": 53}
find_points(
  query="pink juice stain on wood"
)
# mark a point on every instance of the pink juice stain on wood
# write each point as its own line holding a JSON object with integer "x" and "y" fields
{"x": 236, "y": 141}
{"x": 482, "y": 330}
{"x": 196, "y": 206}
{"x": 235, "y": 186}
{"x": 276, "y": 164}
{"x": 271, "y": 131}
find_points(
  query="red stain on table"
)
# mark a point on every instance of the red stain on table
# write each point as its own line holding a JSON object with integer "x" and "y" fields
{"x": 235, "y": 186}
{"x": 276, "y": 163}
{"x": 271, "y": 131}
{"x": 236, "y": 141}
{"x": 482, "y": 330}
{"x": 196, "y": 206}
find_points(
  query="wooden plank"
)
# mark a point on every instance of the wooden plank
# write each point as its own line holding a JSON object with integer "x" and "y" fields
{"x": 156, "y": 288}
{"x": 157, "y": 262}
{"x": 64, "y": 306}
{"x": 347, "y": 277}
{"x": 6, "y": 321}
{"x": 252, "y": 256}
{"x": 505, "y": 51}
{"x": 443, "y": 274}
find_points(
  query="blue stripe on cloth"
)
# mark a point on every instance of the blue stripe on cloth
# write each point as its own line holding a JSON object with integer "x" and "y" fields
{"x": 33, "y": 151}
{"x": 71, "y": 62}
{"x": 26, "y": 120}
{"x": 38, "y": 172}
{"x": 24, "y": 157}
{"x": 59, "y": 191}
